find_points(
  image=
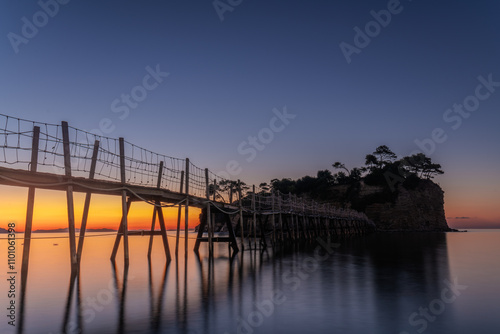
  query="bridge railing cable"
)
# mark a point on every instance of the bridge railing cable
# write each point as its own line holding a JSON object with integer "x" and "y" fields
{"x": 16, "y": 141}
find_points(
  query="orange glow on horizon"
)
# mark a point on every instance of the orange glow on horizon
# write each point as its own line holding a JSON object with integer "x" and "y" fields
{"x": 473, "y": 213}
{"x": 50, "y": 211}
{"x": 105, "y": 211}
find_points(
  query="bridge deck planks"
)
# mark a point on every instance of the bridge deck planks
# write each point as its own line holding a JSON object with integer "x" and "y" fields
{"x": 43, "y": 180}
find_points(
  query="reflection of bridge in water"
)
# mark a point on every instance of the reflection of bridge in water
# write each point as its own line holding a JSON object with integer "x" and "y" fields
{"x": 353, "y": 287}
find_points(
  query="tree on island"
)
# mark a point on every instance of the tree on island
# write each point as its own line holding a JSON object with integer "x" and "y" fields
{"x": 352, "y": 175}
{"x": 228, "y": 186}
{"x": 371, "y": 162}
{"x": 320, "y": 185}
{"x": 384, "y": 156}
{"x": 378, "y": 165}
{"x": 422, "y": 166}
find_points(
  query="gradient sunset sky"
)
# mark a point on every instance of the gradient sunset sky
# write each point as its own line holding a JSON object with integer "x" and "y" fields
{"x": 350, "y": 78}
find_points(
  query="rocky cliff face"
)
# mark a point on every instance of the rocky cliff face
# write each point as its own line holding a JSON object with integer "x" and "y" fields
{"x": 416, "y": 208}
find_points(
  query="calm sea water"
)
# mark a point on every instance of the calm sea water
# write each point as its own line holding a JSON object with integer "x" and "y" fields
{"x": 383, "y": 283}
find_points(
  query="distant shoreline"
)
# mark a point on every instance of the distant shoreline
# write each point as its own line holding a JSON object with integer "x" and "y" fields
{"x": 107, "y": 230}
{"x": 65, "y": 230}
{"x": 421, "y": 231}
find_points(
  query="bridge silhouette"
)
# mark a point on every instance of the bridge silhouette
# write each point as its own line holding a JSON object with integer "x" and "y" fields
{"x": 39, "y": 155}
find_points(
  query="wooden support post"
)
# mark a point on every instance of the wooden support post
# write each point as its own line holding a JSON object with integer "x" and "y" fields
{"x": 295, "y": 222}
{"x": 124, "y": 201}
{"x": 86, "y": 206}
{"x": 158, "y": 210}
{"x": 186, "y": 211}
{"x": 297, "y": 217}
{"x": 292, "y": 207}
{"x": 304, "y": 223}
{"x": 312, "y": 222}
{"x": 340, "y": 226}
{"x": 273, "y": 222}
{"x": 325, "y": 220}
{"x": 315, "y": 221}
{"x": 297, "y": 204}
{"x": 333, "y": 225}
{"x": 318, "y": 226}
{"x": 338, "y": 229}
{"x": 69, "y": 193}
{"x": 232, "y": 236}
{"x": 120, "y": 232}
{"x": 289, "y": 227}
{"x": 254, "y": 219}
{"x": 249, "y": 229}
{"x": 201, "y": 229}
{"x": 30, "y": 206}
{"x": 320, "y": 222}
{"x": 307, "y": 227}
{"x": 179, "y": 217}
{"x": 212, "y": 220}
{"x": 214, "y": 197}
{"x": 324, "y": 231}
{"x": 280, "y": 217}
{"x": 263, "y": 241}
{"x": 297, "y": 233}
{"x": 153, "y": 223}
{"x": 241, "y": 216}
{"x": 163, "y": 229}
{"x": 209, "y": 214}
{"x": 331, "y": 222}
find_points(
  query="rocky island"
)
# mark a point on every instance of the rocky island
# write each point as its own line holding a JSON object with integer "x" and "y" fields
{"x": 397, "y": 195}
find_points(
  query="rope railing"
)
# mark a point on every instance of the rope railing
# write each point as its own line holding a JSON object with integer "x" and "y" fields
{"x": 142, "y": 168}
{"x": 197, "y": 181}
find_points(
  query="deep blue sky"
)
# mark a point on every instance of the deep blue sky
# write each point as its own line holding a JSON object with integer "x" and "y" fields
{"x": 226, "y": 77}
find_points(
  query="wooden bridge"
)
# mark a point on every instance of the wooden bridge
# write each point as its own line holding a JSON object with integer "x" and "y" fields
{"x": 59, "y": 157}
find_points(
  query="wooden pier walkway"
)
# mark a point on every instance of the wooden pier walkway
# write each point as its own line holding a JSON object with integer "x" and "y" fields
{"x": 59, "y": 157}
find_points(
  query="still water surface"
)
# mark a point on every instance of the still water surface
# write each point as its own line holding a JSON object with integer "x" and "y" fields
{"x": 383, "y": 283}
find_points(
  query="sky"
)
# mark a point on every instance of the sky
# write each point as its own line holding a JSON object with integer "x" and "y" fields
{"x": 281, "y": 89}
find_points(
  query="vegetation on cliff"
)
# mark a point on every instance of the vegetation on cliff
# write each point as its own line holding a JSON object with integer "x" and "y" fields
{"x": 381, "y": 169}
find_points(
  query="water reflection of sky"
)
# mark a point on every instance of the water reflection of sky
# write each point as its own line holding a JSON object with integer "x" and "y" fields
{"x": 368, "y": 285}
